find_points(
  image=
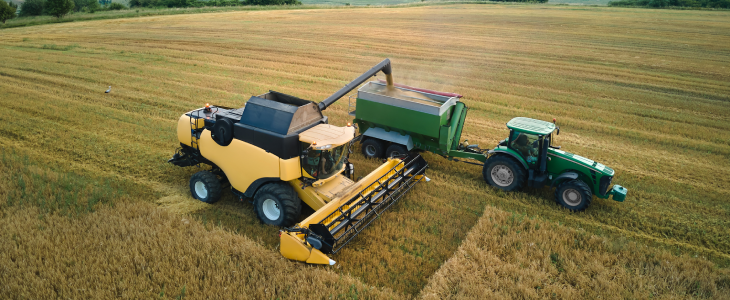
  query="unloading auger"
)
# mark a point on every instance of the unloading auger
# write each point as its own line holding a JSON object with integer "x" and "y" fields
{"x": 281, "y": 151}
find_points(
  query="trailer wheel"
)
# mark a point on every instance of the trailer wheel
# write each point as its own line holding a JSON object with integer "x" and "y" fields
{"x": 373, "y": 148}
{"x": 277, "y": 204}
{"x": 574, "y": 195}
{"x": 396, "y": 150}
{"x": 205, "y": 187}
{"x": 504, "y": 173}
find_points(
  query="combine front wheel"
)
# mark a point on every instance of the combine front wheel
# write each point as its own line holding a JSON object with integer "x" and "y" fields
{"x": 205, "y": 187}
{"x": 277, "y": 204}
{"x": 504, "y": 173}
{"x": 574, "y": 195}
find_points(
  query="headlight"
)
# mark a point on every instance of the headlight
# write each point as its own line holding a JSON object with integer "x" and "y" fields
{"x": 323, "y": 147}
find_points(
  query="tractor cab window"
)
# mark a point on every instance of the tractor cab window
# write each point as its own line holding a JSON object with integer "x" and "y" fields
{"x": 528, "y": 145}
{"x": 323, "y": 164}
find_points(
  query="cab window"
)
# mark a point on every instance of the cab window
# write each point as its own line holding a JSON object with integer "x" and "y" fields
{"x": 526, "y": 145}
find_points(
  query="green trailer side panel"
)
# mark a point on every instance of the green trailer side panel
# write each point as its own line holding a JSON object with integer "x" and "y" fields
{"x": 459, "y": 127}
{"x": 399, "y": 118}
{"x": 448, "y": 139}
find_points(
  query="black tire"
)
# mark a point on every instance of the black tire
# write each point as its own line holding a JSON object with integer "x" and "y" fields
{"x": 205, "y": 187}
{"x": 508, "y": 175}
{"x": 396, "y": 150}
{"x": 284, "y": 201}
{"x": 575, "y": 195}
{"x": 373, "y": 148}
{"x": 222, "y": 132}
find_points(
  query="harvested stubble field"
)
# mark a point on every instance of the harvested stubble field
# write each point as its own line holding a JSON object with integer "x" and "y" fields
{"x": 89, "y": 208}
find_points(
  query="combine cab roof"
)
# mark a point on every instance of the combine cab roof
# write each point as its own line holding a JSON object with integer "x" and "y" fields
{"x": 532, "y": 126}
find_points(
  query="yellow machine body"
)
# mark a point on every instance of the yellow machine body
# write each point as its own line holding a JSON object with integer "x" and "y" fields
{"x": 244, "y": 163}
{"x": 279, "y": 138}
{"x": 184, "y": 125}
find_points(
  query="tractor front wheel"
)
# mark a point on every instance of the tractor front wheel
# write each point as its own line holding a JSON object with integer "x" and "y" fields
{"x": 574, "y": 195}
{"x": 504, "y": 173}
{"x": 277, "y": 204}
{"x": 205, "y": 187}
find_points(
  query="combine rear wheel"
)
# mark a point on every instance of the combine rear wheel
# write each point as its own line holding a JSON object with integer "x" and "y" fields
{"x": 277, "y": 204}
{"x": 574, "y": 195}
{"x": 373, "y": 148}
{"x": 205, "y": 187}
{"x": 504, "y": 173}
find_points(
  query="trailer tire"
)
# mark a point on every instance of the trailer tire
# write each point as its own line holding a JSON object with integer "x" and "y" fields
{"x": 503, "y": 173}
{"x": 396, "y": 150}
{"x": 574, "y": 195}
{"x": 277, "y": 204}
{"x": 373, "y": 148}
{"x": 205, "y": 187}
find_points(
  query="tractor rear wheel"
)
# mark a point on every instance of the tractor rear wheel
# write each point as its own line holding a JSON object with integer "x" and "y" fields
{"x": 205, "y": 187}
{"x": 277, "y": 204}
{"x": 396, "y": 150}
{"x": 373, "y": 148}
{"x": 574, "y": 195}
{"x": 503, "y": 173}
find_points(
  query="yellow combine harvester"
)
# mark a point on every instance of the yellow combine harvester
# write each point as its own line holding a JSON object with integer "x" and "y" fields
{"x": 280, "y": 151}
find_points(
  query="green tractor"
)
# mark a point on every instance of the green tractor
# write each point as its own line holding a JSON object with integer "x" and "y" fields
{"x": 401, "y": 119}
{"x": 528, "y": 158}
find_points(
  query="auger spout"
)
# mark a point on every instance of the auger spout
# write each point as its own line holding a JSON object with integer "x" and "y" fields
{"x": 382, "y": 66}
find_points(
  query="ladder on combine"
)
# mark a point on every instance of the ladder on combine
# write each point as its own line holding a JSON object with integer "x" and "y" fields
{"x": 333, "y": 226}
{"x": 193, "y": 128}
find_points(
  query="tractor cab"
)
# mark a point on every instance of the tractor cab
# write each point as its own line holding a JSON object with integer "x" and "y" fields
{"x": 527, "y": 157}
{"x": 530, "y": 140}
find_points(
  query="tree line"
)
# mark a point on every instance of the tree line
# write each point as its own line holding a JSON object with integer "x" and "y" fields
{"x": 673, "y": 3}
{"x": 60, "y": 8}
{"x": 56, "y": 8}
{"x": 199, "y": 3}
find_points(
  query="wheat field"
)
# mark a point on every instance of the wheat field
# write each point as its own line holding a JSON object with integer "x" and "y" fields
{"x": 90, "y": 209}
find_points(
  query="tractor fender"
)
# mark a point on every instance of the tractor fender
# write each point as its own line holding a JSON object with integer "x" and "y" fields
{"x": 256, "y": 184}
{"x": 563, "y": 177}
{"x": 508, "y": 153}
{"x": 390, "y": 136}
